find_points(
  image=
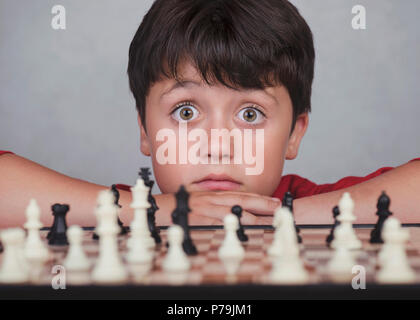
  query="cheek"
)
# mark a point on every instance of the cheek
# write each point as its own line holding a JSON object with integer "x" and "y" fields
{"x": 275, "y": 146}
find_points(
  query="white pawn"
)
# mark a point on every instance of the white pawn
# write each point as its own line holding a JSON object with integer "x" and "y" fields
{"x": 231, "y": 246}
{"x": 76, "y": 259}
{"x": 275, "y": 248}
{"x": 342, "y": 262}
{"x": 346, "y": 218}
{"x": 288, "y": 268}
{"x": 176, "y": 260}
{"x": 395, "y": 267}
{"x": 109, "y": 267}
{"x": 35, "y": 250}
{"x": 139, "y": 226}
{"x": 13, "y": 268}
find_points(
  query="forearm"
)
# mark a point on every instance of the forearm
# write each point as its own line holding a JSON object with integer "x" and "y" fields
{"x": 402, "y": 185}
{"x": 22, "y": 179}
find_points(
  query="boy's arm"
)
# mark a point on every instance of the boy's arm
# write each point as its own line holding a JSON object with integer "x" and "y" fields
{"x": 401, "y": 184}
{"x": 22, "y": 179}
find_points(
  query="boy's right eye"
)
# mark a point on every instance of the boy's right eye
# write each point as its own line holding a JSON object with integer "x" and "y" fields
{"x": 184, "y": 112}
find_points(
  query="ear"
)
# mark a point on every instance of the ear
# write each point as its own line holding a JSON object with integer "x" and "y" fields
{"x": 144, "y": 141}
{"x": 295, "y": 138}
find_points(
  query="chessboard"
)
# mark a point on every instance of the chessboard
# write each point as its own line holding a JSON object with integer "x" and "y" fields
{"x": 207, "y": 277}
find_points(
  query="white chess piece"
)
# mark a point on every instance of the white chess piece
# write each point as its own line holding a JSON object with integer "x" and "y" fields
{"x": 139, "y": 226}
{"x": 13, "y": 268}
{"x": 35, "y": 249}
{"x": 342, "y": 262}
{"x": 109, "y": 267}
{"x": 76, "y": 259}
{"x": 231, "y": 246}
{"x": 275, "y": 248}
{"x": 346, "y": 218}
{"x": 395, "y": 267}
{"x": 175, "y": 260}
{"x": 288, "y": 267}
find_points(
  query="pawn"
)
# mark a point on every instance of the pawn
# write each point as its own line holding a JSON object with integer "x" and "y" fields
{"x": 237, "y": 211}
{"x": 336, "y": 212}
{"x": 76, "y": 259}
{"x": 58, "y": 235}
{"x": 275, "y": 249}
{"x": 383, "y": 213}
{"x": 35, "y": 250}
{"x": 231, "y": 246}
{"x": 288, "y": 202}
{"x": 342, "y": 261}
{"x": 175, "y": 260}
{"x": 13, "y": 268}
{"x": 395, "y": 266}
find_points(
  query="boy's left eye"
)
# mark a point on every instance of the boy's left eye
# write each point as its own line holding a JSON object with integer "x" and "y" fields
{"x": 251, "y": 115}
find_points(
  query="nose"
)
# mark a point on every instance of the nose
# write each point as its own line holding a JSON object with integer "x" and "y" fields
{"x": 221, "y": 147}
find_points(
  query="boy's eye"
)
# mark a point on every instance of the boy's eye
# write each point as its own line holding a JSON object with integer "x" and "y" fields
{"x": 251, "y": 115}
{"x": 184, "y": 112}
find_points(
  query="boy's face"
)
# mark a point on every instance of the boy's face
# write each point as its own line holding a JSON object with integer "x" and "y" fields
{"x": 205, "y": 107}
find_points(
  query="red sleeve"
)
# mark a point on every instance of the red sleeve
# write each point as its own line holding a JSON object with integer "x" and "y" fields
{"x": 301, "y": 187}
{"x": 4, "y": 152}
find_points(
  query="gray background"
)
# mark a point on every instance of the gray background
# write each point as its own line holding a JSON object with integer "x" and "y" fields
{"x": 65, "y": 101}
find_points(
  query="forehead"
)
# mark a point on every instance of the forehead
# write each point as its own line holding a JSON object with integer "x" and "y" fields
{"x": 189, "y": 77}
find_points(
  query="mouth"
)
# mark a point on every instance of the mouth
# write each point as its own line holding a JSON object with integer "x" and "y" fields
{"x": 219, "y": 182}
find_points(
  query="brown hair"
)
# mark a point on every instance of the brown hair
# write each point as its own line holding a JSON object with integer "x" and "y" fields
{"x": 249, "y": 44}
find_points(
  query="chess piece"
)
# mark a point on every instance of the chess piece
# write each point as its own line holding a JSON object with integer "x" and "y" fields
{"x": 393, "y": 260}
{"x": 276, "y": 246}
{"x": 330, "y": 237}
{"x": 288, "y": 267}
{"x": 175, "y": 260}
{"x": 346, "y": 218}
{"x": 35, "y": 250}
{"x": 58, "y": 235}
{"x": 231, "y": 246}
{"x": 288, "y": 202}
{"x": 383, "y": 213}
{"x": 13, "y": 268}
{"x": 139, "y": 226}
{"x": 109, "y": 267}
{"x": 180, "y": 217}
{"x": 151, "y": 211}
{"x": 237, "y": 211}
{"x": 340, "y": 266}
{"x": 123, "y": 229}
{"x": 76, "y": 259}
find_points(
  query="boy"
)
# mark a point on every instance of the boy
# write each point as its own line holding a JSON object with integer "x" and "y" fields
{"x": 239, "y": 65}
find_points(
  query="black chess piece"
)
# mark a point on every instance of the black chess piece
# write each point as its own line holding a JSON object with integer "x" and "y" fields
{"x": 288, "y": 202}
{"x": 123, "y": 229}
{"x": 151, "y": 211}
{"x": 336, "y": 212}
{"x": 383, "y": 213}
{"x": 58, "y": 236}
{"x": 237, "y": 211}
{"x": 180, "y": 217}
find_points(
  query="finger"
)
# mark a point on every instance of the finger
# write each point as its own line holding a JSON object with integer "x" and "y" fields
{"x": 219, "y": 212}
{"x": 201, "y": 220}
{"x": 253, "y": 203}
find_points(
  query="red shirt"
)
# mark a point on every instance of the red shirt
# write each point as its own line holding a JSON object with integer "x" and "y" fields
{"x": 301, "y": 187}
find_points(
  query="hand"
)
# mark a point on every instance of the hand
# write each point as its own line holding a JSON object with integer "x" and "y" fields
{"x": 210, "y": 208}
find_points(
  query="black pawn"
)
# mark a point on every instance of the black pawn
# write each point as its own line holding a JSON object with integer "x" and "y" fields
{"x": 180, "y": 217}
{"x": 383, "y": 213}
{"x": 57, "y": 235}
{"x": 151, "y": 211}
{"x": 288, "y": 202}
{"x": 336, "y": 212}
{"x": 237, "y": 211}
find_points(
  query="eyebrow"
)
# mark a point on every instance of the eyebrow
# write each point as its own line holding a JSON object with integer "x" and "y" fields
{"x": 180, "y": 84}
{"x": 185, "y": 83}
